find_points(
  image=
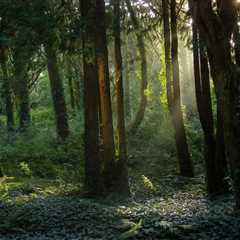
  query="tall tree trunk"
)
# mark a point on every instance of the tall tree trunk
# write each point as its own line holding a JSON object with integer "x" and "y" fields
{"x": 70, "y": 83}
{"x": 217, "y": 37}
{"x": 186, "y": 168}
{"x": 184, "y": 77}
{"x": 127, "y": 82}
{"x": 122, "y": 145}
{"x": 93, "y": 179}
{"x": 57, "y": 92}
{"x": 144, "y": 78}
{"x": 167, "y": 49}
{"x": 228, "y": 98}
{"x": 77, "y": 89}
{"x": 105, "y": 98}
{"x": 213, "y": 183}
{"x": 236, "y": 37}
{"x": 220, "y": 155}
{"x": 7, "y": 91}
{"x": 22, "y": 91}
{"x": 215, "y": 180}
{"x": 77, "y": 82}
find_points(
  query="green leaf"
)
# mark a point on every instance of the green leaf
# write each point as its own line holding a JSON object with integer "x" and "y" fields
{"x": 133, "y": 231}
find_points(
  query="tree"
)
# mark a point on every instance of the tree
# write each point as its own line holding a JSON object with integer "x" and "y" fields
{"x": 173, "y": 89}
{"x": 144, "y": 78}
{"x": 167, "y": 50}
{"x": 236, "y": 37}
{"x": 126, "y": 84}
{"x": 7, "y": 90}
{"x": 21, "y": 58}
{"x": 105, "y": 98}
{"x": 57, "y": 92}
{"x": 93, "y": 180}
{"x": 217, "y": 37}
{"x": 122, "y": 145}
{"x": 215, "y": 176}
{"x": 71, "y": 82}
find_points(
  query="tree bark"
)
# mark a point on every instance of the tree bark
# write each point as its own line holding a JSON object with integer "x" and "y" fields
{"x": 220, "y": 155}
{"x": 167, "y": 49}
{"x": 144, "y": 76}
{"x": 185, "y": 163}
{"x": 57, "y": 92}
{"x": 127, "y": 82}
{"x": 70, "y": 84}
{"x": 105, "y": 98}
{"x": 236, "y": 37}
{"x": 93, "y": 178}
{"x": 122, "y": 145}
{"x": 214, "y": 177}
{"x": 7, "y": 91}
{"x": 217, "y": 37}
{"x": 22, "y": 91}
{"x": 77, "y": 83}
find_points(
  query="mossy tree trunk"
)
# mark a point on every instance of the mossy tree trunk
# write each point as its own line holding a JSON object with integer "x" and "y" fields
{"x": 7, "y": 90}
{"x": 21, "y": 58}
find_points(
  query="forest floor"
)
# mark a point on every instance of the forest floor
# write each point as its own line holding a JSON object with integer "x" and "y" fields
{"x": 166, "y": 207}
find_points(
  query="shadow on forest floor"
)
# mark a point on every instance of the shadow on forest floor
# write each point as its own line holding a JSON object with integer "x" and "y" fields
{"x": 168, "y": 207}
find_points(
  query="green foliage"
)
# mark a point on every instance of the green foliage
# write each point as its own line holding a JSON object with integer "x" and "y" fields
{"x": 39, "y": 151}
{"x": 43, "y": 116}
{"x": 195, "y": 139}
{"x": 133, "y": 231}
{"x": 148, "y": 184}
{"x": 24, "y": 169}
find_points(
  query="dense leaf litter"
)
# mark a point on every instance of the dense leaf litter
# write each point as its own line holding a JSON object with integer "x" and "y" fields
{"x": 170, "y": 212}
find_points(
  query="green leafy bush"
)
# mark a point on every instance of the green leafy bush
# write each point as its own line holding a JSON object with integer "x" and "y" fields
{"x": 40, "y": 150}
{"x": 25, "y": 169}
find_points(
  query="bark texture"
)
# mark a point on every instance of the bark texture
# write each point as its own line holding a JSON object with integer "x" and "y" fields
{"x": 144, "y": 75}
{"x": 185, "y": 163}
{"x": 105, "y": 97}
{"x": 93, "y": 179}
{"x": 121, "y": 131}
{"x": 57, "y": 92}
{"x": 7, "y": 90}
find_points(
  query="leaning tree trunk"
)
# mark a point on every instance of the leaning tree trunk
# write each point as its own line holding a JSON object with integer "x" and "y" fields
{"x": 93, "y": 179}
{"x": 57, "y": 92}
{"x": 122, "y": 145}
{"x": 105, "y": 97}
{"x": 185, "y": 163}
{"x": 144, "y": 81}
{"x": 7, "y": 91}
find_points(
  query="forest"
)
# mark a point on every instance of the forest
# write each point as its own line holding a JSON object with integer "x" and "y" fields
{"x": 119, "y": 119}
